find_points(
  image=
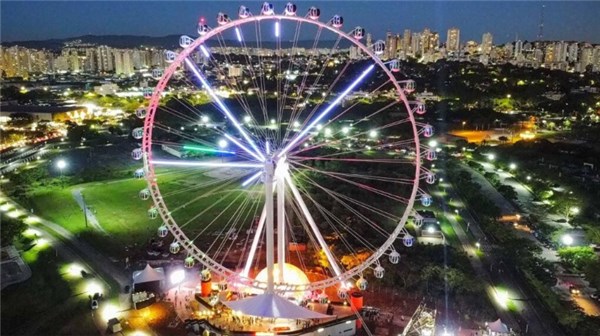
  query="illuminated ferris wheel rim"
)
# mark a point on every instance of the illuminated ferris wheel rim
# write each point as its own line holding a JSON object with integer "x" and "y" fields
{"x": 181, "y": 237}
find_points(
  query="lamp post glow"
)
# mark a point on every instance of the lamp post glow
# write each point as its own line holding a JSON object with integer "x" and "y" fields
{"x": 491, "y": 157}
{"x": 512, "y": 166}
{"x": 222, "y": 143}
{"x": 177, "y": 276}
{"x": 61, "y": 164}
{"x": 567, "y": 240}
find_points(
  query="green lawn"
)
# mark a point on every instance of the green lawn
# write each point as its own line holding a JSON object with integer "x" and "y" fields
{"x": 47, "y": 301}
{"x": 124, "y": 215}
{"x": 57, "y": 205}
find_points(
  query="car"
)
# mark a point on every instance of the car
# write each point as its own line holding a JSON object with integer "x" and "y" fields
{"x": 94, "y": 304}
{"x": 574, "y": 290}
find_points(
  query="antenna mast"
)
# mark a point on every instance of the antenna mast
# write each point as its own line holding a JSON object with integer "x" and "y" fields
{"x": 541, "y": 31}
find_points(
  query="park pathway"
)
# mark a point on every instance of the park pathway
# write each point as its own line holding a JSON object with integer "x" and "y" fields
{"x": 90, "y": 217}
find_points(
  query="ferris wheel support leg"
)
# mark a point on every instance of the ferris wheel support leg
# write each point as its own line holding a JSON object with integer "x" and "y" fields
{"x": 255, "y": 240}
{"x": 280, "y": 185}
{"x": 269, "y": 241}
{"x": 313, "y": 225}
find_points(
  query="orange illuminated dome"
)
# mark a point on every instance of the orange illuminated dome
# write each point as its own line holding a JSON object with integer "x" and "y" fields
{"x": 291, "y": 275}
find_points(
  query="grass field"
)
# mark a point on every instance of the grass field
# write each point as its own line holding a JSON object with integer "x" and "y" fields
{"x": 48, "y": 301}
{"x": 119, "y": 210}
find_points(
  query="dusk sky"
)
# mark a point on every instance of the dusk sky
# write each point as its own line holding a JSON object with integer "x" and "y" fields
{"x": 36, "y": 20}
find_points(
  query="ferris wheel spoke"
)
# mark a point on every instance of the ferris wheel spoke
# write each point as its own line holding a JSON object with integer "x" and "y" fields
{"x": 295, "y": 140}
{"x": 262, "y": 90}
{"x": 236, "y": 87}
{"x": 357, "y": 184}
{"x": 222, "y": 106}
{"x": 386, "y": 179}
{"x": 295, "y": 159}
{"x": 318, "y": 79}
{"x": 368, "y": 135}
{"x": 313, "y": 225}
{"x": 296, "y": 108}
{"x": 232, "y": 164}
{"x": 291, "y": 62}
{"x": 216, "y": 217}
{"x": 339, "y": 197}
{"x": 250, "y": 65}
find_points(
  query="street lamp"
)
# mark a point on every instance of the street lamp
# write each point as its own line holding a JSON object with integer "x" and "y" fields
{"x": 512, "y": 166}
{"x": 61, "y": 164}
{"x": 222, "y": 143}
{"x": 567, "y": 240}
{"x": 491, "y": 157}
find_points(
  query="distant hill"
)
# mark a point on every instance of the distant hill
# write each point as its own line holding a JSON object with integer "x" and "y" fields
{"x": 132, "y": 41}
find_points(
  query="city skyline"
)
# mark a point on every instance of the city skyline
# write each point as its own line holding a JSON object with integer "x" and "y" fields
{"x": 507, "y": 21}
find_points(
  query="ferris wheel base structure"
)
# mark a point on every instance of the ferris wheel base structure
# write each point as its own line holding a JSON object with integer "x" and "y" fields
{"x": 280, "y": 167}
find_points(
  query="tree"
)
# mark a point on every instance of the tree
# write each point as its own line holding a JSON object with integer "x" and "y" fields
{"x": 492, "y": 177}
{"x": 577, "y": 257}
{"x": 10, "y": 229}
{"x": 508, "y": 192}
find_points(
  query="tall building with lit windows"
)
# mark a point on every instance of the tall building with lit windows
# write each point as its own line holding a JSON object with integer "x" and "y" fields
{"x": 105, "y": 59}
{"x": 453, "y": 40}
{"x": 406, "y": 41}
{"x": 486, "y": 43}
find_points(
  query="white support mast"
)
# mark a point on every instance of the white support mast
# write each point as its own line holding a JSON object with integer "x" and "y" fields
{"x": 280, "y": 173}
{"x": 269, "y": 206}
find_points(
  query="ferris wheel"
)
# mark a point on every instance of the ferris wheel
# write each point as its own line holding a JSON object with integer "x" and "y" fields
{"x": 277, "y": 138}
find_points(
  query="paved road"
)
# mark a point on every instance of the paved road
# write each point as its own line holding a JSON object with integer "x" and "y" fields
{"x": 488, "y": 190}
{"x": 480, "y": 270}
{"x": 536, "y": 318}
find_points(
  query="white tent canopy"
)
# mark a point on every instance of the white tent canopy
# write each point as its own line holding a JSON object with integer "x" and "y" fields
{"x": 149, "y": 274}
{"x": 272, "y": 305}
{"x": 498, "y": 327}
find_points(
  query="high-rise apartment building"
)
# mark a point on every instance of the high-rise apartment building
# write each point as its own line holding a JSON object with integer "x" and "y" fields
{"x": 518, "y": 50}
{"x": 415, "y": 44}
{"x": 486, "y": 43}
{"x": 425, "y": 41}
{"x": 105, "y": 59}
{"x": 573, "y": 52}
{"x": 406, "y": 41}
{"x": 123, "y": 62}
{"x": 369, "y": 41}
{"x": 453, "y": 40}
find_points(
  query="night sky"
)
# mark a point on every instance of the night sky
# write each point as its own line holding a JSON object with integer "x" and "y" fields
{"x": 31, "y": 20}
